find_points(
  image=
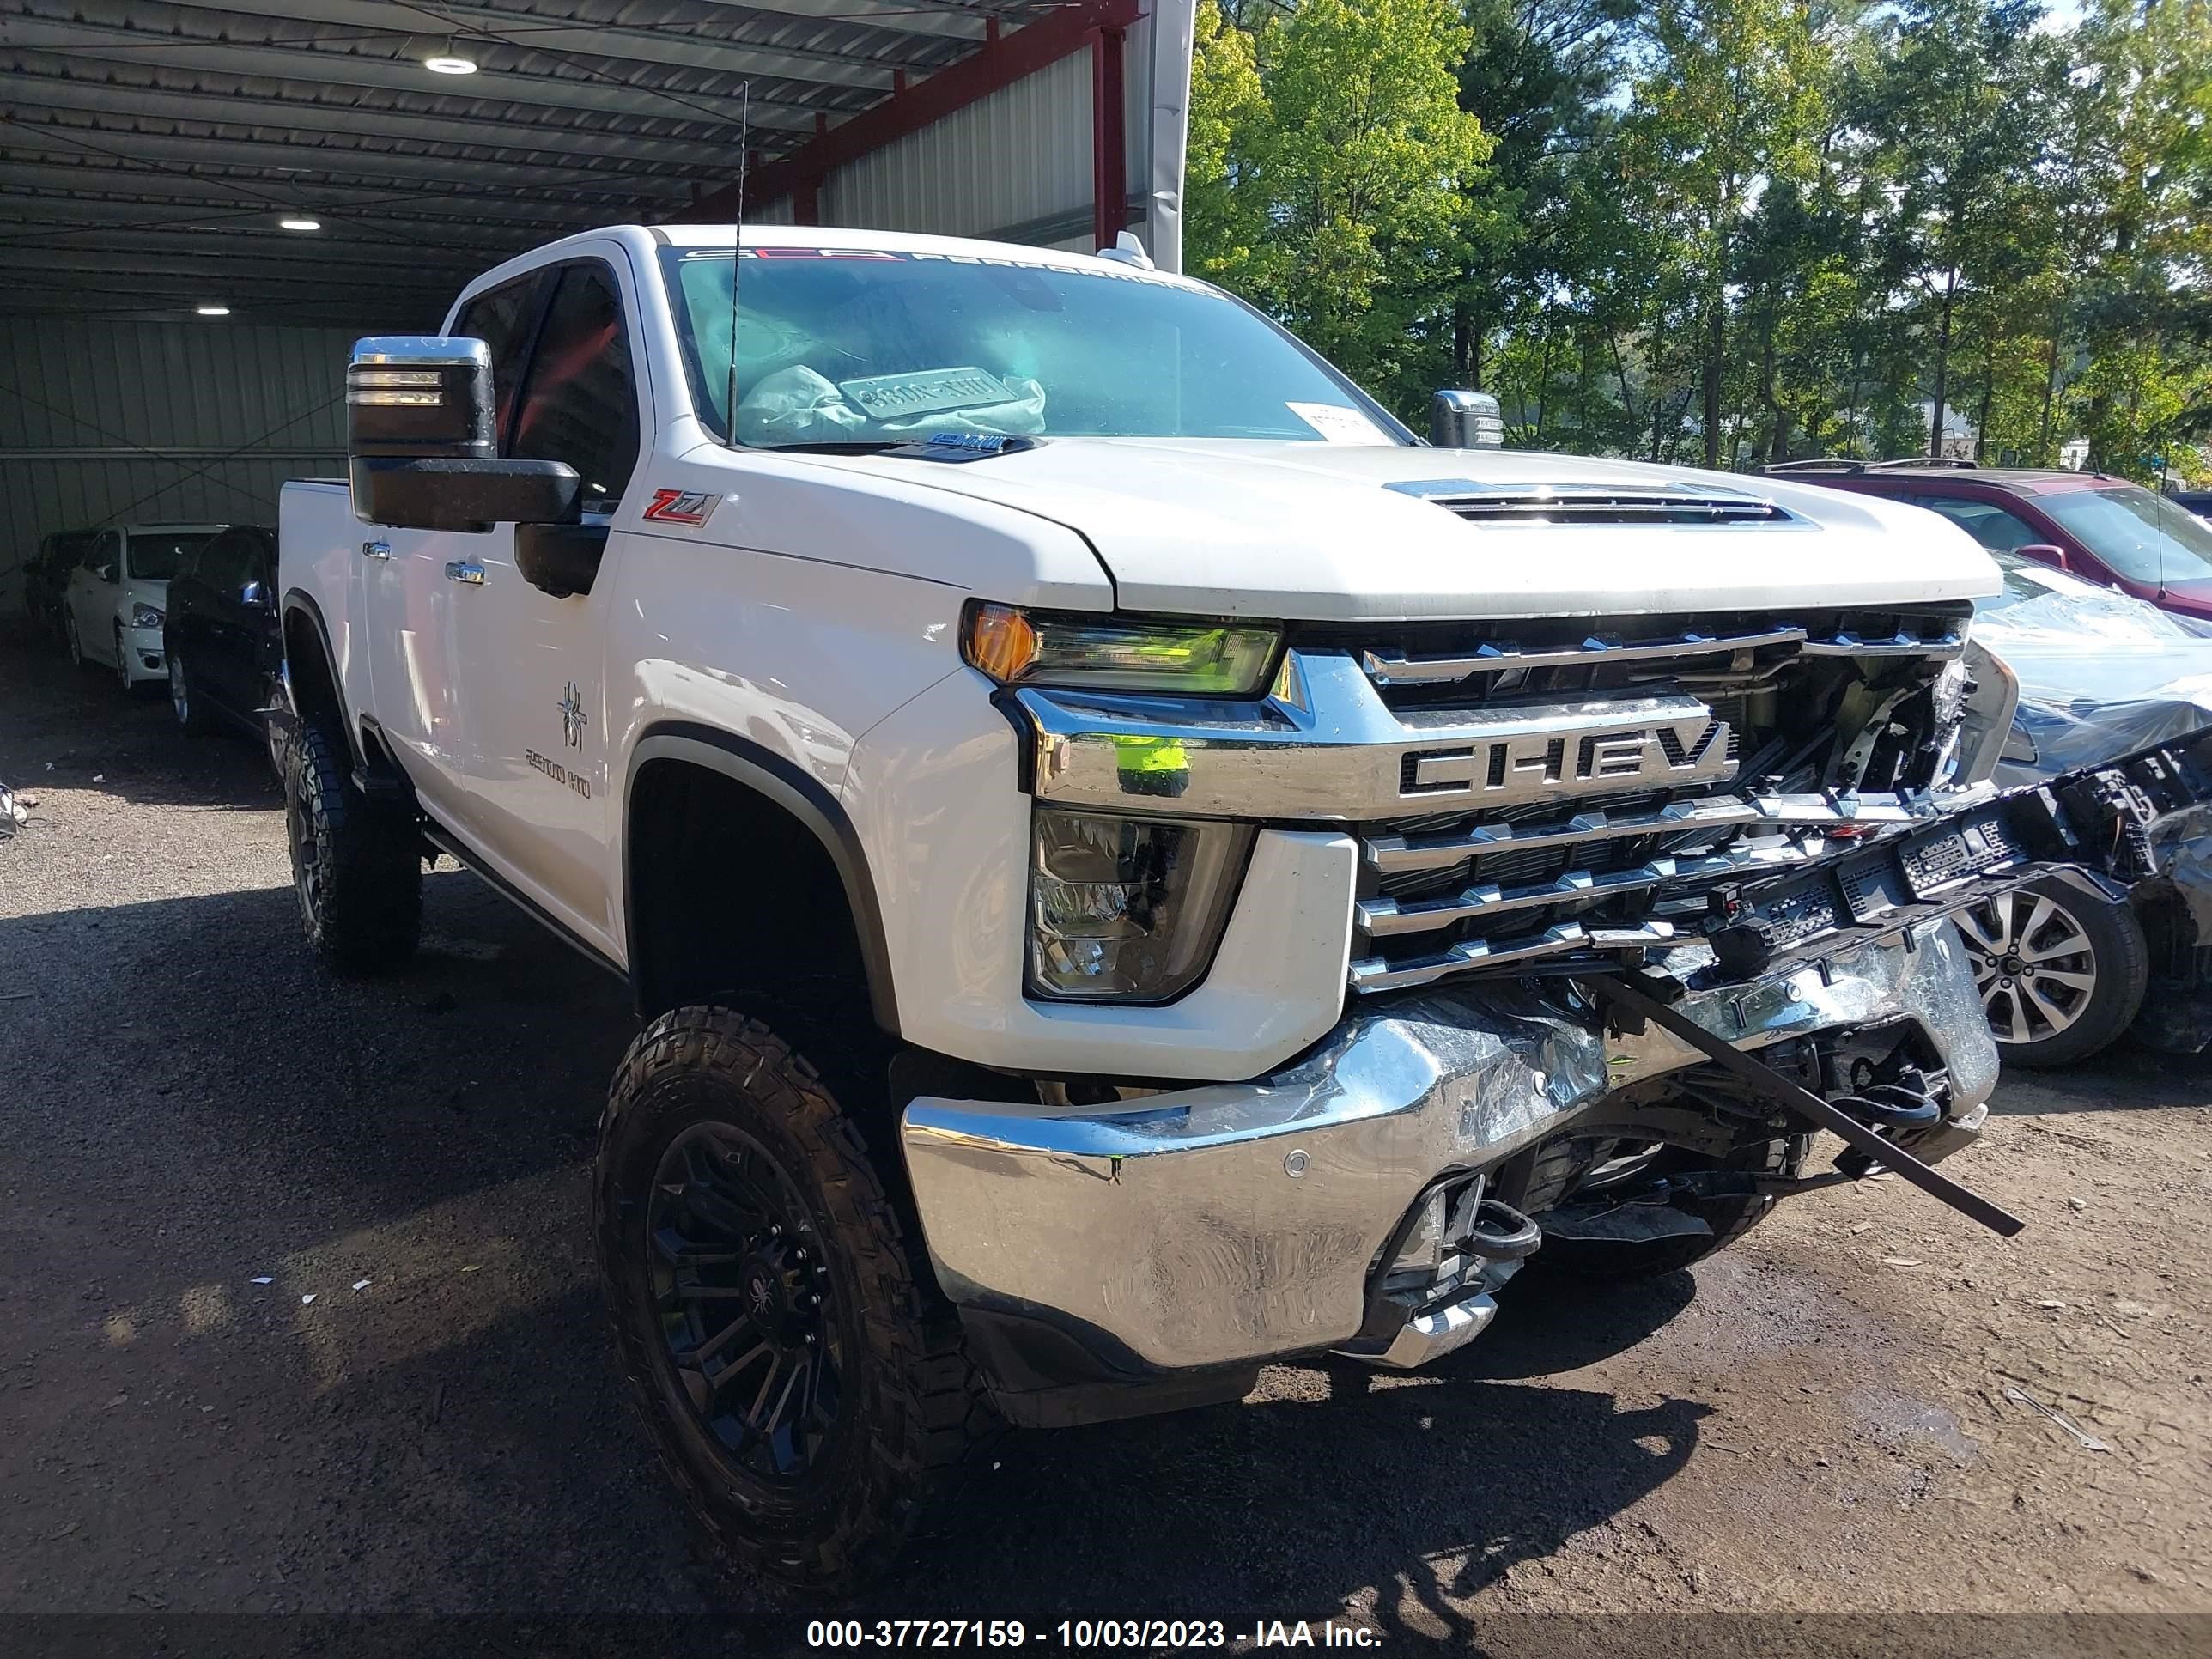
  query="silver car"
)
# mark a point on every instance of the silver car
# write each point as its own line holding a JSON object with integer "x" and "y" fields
{"x": 2100, "y": 674}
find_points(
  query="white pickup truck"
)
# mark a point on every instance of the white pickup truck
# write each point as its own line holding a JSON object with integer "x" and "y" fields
{"x": 1133, "y": 864}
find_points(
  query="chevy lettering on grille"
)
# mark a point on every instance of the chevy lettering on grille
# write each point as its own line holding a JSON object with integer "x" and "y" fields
{"x": 1562, "y": 752}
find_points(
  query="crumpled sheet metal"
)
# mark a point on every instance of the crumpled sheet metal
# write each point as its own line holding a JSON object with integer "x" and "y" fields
{"x": 1233, "y": 1222}
{"x": 2182, "y": 843}
{"x": 2100, "y": 675}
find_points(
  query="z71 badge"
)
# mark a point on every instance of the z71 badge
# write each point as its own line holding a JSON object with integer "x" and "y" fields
{"x": 688, "y": 508}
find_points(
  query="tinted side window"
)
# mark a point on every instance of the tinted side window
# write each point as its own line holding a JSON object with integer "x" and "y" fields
{"x": 1992, "y": 526}
{"x": 221, "y": 564}
{"x": 501, "y": 319}
{"x": 581, "y": 403}
{"x": 260, "y": 558}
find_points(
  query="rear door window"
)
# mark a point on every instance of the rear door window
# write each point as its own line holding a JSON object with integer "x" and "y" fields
{"x": 1992, "y": 526}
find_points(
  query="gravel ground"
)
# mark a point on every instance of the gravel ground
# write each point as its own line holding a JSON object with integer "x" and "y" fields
{"x": 416, "y": 1415}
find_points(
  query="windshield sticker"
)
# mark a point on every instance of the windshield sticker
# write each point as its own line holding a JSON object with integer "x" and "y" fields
{"x": 689, "y": 507}
{"x": 1339, "y": 425}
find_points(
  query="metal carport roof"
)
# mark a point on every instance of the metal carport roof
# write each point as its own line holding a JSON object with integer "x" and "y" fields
{"x": 150, "y": 149}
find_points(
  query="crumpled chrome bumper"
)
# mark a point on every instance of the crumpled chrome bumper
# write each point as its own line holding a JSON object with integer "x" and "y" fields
{"x": 1230, "y": 1224}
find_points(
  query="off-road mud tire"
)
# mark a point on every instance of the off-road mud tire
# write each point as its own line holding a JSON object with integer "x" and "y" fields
{"x": 916, "y": 1408}
{"x": 361, "y": 906}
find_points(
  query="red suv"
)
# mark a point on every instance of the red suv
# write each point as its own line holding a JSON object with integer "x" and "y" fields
{"x": 2102, "y": 529}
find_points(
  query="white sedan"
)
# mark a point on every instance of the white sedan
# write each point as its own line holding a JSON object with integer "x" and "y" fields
{"x": 118, "y": 595}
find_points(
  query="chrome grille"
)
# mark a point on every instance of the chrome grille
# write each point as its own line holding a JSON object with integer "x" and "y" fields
{"x": 1494, "y": 662}
{"x": 1447, "y": 899}
{"x": 1448, "y": 893}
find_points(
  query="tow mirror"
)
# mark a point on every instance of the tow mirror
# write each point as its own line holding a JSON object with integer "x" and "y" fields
{"x": 2046, "y": 553}
{"x": 423, "y": 441}
{"x": 1466, "y": 420}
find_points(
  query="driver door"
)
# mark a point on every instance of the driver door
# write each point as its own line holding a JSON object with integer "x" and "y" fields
{"x": 529, "y": 689}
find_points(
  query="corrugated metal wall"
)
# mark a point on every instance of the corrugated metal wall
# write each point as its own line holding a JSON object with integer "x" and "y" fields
{"x": 1016, "y": 166}
{"x": 154, "y": 421}
{"x": 1021, "y": 155}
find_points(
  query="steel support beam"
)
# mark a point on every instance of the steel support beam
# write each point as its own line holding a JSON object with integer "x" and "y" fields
{"x": 1003, "y": 60}
{"x": 1110, "y": 146}
{"x": 605, "y": 186}
{"x": 41, "y": 83}
{"x": 349, "y": 69}
{"x": 92, "y": 178}
{"x": 704, "y": 45}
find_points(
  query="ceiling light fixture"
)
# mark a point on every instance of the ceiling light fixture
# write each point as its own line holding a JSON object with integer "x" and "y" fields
{"x": 300, "y": 222}
{"x": 212, "y": 311}
{"x": 450, "y": 61}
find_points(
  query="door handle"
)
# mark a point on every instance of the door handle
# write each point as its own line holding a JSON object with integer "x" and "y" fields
{"x": 376, "y": 549}
{"x": 460, "y": 570}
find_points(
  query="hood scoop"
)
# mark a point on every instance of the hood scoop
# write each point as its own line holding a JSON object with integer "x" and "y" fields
{"x": 1592, "y": 503}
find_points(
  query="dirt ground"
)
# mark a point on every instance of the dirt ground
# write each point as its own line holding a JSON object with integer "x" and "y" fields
{"x": 416, "y": 1414}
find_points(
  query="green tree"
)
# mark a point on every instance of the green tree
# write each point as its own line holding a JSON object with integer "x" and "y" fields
{"x": 1337, "y": 198}
{"x": 1963, "y": 103}
{"x": 2138, "y": 182}
{"x": 1728, "y": 107}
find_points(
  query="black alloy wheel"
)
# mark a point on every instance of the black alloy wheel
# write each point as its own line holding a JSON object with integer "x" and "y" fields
{"x": 743, "y": 1290}
{"x": 806, "y": 1385}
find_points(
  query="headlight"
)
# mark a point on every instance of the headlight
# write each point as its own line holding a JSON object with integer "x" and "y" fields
{"x": 145, "y": 616}
{"x": 1128, "y": 908}
{"x": 1223, "y": 659}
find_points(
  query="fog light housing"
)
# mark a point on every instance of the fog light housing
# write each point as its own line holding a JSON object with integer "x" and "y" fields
{"x": 1128, "y": 909}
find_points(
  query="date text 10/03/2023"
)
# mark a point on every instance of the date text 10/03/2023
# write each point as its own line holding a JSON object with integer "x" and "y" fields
{"x": 1141, "y": 1634}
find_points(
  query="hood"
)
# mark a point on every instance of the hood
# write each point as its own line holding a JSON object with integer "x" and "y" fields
{"x": 2100, "y": 674}
{"x": 1317, "y": 532}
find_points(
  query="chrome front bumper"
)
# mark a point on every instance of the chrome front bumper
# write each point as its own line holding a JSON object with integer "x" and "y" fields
{"x": 1229, "y": 1224}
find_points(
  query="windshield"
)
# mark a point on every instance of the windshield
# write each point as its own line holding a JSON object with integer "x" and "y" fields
{"x": 157, "y": 557}
{"x": 2136, "y": 534}
{"x": 866, "y": 345}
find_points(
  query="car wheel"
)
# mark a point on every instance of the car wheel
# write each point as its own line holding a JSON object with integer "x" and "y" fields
{"x": 356, "y": 863}
{"x": 276, "y": 719}
{"x": 121, "y": 661}
{"x": 192, "y": 716}
{"x": 75, "y": 645}
{"x": 804, "y": 1384}
{"x": 2061, "y": 973}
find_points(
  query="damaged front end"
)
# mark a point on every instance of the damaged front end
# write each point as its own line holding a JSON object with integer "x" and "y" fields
{"x": 1372, "y": 1196}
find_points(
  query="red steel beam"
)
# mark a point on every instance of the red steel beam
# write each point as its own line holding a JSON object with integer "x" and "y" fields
{"x": 1001, "y": 61}
{"x": 1110, "y": 154}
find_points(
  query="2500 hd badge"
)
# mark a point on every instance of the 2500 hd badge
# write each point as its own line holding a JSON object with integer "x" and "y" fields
{"x": 558, "y": 773}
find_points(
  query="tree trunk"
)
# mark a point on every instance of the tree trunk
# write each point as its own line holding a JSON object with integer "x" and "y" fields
{"x": 1628, "y": 421}
{"x": 2049, "y": 391}
{"x": 1716, "y": 341}
{"x": 1989, "y": 392}
{"x": 1942, "y": 363}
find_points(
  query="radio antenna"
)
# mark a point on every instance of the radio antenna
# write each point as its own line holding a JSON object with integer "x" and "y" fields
{"x": 737, "y": 260}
